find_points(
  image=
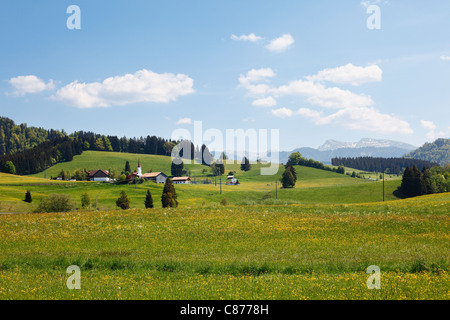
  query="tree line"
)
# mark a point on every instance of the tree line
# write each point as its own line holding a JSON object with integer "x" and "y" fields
{"x": 417, "y": 182}
{"x": 44, "y": 155}
{"x": 17, "y": 138}
{"x": 388, "y": 165}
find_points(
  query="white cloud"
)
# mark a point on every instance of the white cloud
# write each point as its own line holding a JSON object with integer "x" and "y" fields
{"x": 309, "y": 113}
{"x": 256, "y": 75}
{"x": 282, "y": 113}
{"x": 281, "y": 44}
{"x": 251, "y": 37}
{"x": 445, "y": 58}
{"x": 142, "y": 86}
{"x": 319, "y": 95}
{"x": 432, "y": 134}
{"x": 350, "y": 74}
{"x": 30, "y": 84}
{"x": 184, "y": 121}
{"x": 349, "y": 109}
{"x": 265, "y": 102}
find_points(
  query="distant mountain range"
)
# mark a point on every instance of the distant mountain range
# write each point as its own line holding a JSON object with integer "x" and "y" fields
{"x": 363, "y": 148}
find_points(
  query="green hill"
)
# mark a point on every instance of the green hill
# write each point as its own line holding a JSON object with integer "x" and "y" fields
{"x": 437, "y": 151}
{"x": 94, "y": 160}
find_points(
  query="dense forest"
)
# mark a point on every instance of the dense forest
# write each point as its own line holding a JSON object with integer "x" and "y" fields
{"x": 16, "y": 138}
{"x": 44, "y": 155}
{"x": 438, "y": 151}
{"x": 31, "y": 149}
{"x": 390, "y": 165}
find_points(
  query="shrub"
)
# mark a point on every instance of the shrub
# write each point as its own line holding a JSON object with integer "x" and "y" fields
{"x": 9, "y": 167}
{"x": 56, "y": 203}
{"x": 85, "y": 200}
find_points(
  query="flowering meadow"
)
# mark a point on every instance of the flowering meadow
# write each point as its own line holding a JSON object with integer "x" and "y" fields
{"x": 316, "y": 251}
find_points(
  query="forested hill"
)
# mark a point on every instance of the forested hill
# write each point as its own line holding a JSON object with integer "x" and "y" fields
{"x": 16, "y": 138}
{"x": 438, "y": 151}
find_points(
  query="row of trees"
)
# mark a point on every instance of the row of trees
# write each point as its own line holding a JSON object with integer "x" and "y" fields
{"x": 388, "y": 165}
{"x": 296, "y": 159}
{"x": 417, "y": 182}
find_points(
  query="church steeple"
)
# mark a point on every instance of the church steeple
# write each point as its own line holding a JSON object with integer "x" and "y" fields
{"x": 139, "y": 169}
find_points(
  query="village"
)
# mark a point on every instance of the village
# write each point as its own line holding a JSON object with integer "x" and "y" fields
{"x": 102, "y": 175}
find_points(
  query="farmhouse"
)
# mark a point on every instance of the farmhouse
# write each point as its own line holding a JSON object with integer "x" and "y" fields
{"x": 158, "y": 177}
{"x": 98, "y": 175}
{"x": 181, "y": 180}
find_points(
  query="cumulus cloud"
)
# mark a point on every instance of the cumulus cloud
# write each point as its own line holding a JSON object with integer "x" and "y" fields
{"x": 142, "y": 86}
{"x": 350, "y": 74}
{"x": 30, "y": 84}
{"x": 319, "y": 95}
{"x": 282, "y": 113}
{"x": 281, "y": 44}
{"x": 184, "y": 121}
{"x": 344, "y": 107}
{"x": 251, "y": 37}
{"x": 432, "y": 133}
{"x": 265, "y": 102}
{"x": 251, "y": 81}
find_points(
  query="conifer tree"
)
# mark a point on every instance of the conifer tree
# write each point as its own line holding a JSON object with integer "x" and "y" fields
{"x": 169, "y": 196}
{"x": 148, "y": 200}
{"x": 28, "y": 197}
{"x": 123, "y": 202}
{"x": 245, "y": 164}
{"x": 287, "y": 179}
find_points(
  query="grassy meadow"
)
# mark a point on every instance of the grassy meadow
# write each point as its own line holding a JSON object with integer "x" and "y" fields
{"x": 306, "y": 251}
{"x": 311, "y": 242}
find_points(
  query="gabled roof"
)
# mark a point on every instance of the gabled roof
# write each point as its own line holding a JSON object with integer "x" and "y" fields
{"x": 94, "y": 173}
{"x": 181, "y": 179}
{"x": 152, "y": 175}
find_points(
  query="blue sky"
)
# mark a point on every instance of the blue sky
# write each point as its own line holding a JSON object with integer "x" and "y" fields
{"x": 311, "y": 69}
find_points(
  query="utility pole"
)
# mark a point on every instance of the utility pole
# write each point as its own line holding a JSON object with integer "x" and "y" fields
{"x": 276, "y": 189}
{"x": 220, "y": 184}
{"x": 383, "y": 185}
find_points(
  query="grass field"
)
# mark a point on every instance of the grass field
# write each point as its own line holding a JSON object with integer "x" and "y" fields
{"x": 311, "y": 242}
{"x": 313, "y": 186}
{"x": 308, "y": 251}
